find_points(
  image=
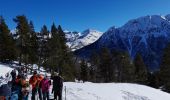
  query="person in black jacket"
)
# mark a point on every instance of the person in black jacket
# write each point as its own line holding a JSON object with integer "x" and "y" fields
{"x": 13, "y": 74}
{"x": 57, "y": 86}
{"x": 5, "y": 91}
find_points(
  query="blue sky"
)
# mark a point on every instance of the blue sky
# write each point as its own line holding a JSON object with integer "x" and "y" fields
{"x": 81, "y": 14}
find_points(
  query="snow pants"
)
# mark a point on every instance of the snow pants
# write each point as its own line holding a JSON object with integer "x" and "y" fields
{"x": 45, "y": 95}
{"x": 34, "y": 92}
{"x": 58, "y": 94}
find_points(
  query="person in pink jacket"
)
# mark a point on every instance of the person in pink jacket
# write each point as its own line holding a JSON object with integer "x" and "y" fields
{"x": 45, "y": 86}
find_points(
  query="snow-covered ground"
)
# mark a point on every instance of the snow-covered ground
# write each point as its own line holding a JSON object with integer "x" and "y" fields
{"x": 112, "y": 91}
{"x": 4, "y": 74}
{"x": 104, "y": 91}
{"x": 4, "y": 69}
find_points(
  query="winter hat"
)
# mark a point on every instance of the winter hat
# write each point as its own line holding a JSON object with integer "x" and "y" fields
{"x": 56, "y": 73}
{"x": 35, "y": 72}
{"x": 48, "y": 75}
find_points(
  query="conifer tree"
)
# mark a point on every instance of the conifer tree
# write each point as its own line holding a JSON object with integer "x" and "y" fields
{"x": 140, "y": 70}
{"x": 43, "y": 47}
{"x": 7, "y": 46}
{"x": 124, "y": 69}
{"x": 53, "y": 59}
{"x": 23, "y": 32}
{"x": 165, "y": 69}
{"x": 94, "y": 67}
{"x": 33, "y": 43}
{"x": 66, "y": 65}
{"x": 61, "y": 35}
{"x": 106, "y": 67}
{"x": 83, "y": 70}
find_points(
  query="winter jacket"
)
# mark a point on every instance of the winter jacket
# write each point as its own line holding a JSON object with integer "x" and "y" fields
{"x": 20, "y": 82}
{"x": 39, "y": 79}
{"x": 57, "y": 83}
{"x": 33, "y": 81}
{"x": 45, "y": 85}
{"x": 13, "y": 74}
{"x": 5, "y": 90}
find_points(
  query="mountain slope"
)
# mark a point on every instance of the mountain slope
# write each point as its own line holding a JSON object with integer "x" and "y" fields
{"x": 79, "y": 40}
{"x": 146, "y": 35}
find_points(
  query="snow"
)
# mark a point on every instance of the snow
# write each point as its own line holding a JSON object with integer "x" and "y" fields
{"x": 79, "y": 40}
{"x": 4, "y": 69}
{"x": 103, "y": 91}
{"x": 163, "y": 17}
{"x": 112, "y": 91}
{"x": 5, "y": 74}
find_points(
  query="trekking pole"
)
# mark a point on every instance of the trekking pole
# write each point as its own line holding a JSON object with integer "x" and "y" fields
{"x": 65, "y": 92}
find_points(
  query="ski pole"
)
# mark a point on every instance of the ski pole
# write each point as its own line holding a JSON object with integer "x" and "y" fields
{"x": 65, "y": 92}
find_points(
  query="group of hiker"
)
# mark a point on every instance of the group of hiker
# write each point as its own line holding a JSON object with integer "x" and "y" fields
{"x": 38, "y": 84}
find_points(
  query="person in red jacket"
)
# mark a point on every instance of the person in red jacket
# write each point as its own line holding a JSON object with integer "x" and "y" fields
{"x": 39, "y": 79}
{"x": 34, "y": 82}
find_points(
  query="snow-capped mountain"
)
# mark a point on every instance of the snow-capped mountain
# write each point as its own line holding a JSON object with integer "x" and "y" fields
{"x": 77, "y": 40}
{"x": 71, "y": 36}
{"x": 146, "y": 35}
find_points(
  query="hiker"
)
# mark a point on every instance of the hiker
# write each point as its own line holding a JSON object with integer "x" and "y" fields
{"x": 16, "y": 92}
{"x": 35, "y": 81}
{"x": 25, "y": 89}
{"x": 57, "y": 86}
{"x": 45, "y": 86}
{"x": 20, "y": 84}
{"x": 39, "y": 79}
{"x": 5, "y": 92}
{"x": 13, "y": 74}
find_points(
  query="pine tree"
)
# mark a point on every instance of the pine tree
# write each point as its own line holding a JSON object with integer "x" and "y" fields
{"x": 61, "y": 35}
{"x": 140, "y": 70}
{"x": 7, "y": 46}
{"x": 33, "y": 43}
{"x": 44, "y": 47}
{"x": 165, "y": 69}
{"x": 116, "y": 56}
{"x": 53, "y": 59}
{"x": 66, "y": 65}
{"x": 93, "y": 70}
{"x": 153, "y": 79}
{"x": 125, "y": 69}
{"x": 106, "y": 66}
{"x": 23, "y": 32}
{"x": 54, "y": 54}
{"x": 83, "y": 70}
